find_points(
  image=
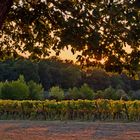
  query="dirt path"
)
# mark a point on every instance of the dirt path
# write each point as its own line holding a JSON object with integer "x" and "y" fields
{"x": 42, "y": 130}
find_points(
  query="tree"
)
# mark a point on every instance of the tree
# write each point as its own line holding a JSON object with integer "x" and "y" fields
{"x": 27, "y": 68}
{"x": 108, "y": 93}
{"x": 15, "y": 90}
{"x": 8, "y": 70}
{"x": 73, "y": 93}
{"x": 35, "y": 91}
{"x": 5, "y": 6}
{"x": 86, "y": 92}
{"x": 122, "y": 94}
{"x": 98, "y": 79}
{"x": 54, "y": 72}
{"x": 101, "y": 29}
{"x": 56, "y": 93}
{"x": 1, "y": 85}
{"x": 117, "y": 81}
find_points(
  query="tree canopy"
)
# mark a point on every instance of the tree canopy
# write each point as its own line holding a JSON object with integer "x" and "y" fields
{"x": 100, "y": 29}
{"x": 5, "y": 6}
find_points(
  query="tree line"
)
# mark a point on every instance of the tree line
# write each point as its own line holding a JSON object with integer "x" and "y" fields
{"x": 55, "y": 74}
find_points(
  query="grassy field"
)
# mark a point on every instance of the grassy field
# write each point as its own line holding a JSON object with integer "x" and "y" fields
{"x": 56, "y": 130}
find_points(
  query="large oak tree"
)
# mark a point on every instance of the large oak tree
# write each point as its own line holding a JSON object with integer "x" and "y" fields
{"x": 100, "y": 29}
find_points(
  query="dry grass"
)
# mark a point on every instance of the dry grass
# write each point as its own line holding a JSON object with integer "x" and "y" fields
{"x": 43, "y": 130}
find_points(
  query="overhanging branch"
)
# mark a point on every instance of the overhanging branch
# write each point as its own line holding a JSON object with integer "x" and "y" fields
{"x": 5, "y": 6}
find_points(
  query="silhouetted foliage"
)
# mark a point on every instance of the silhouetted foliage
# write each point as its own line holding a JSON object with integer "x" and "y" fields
{"x": 98, "y": 79}
{"x": 101, "y": 29}
{"x": 53, "y": 72}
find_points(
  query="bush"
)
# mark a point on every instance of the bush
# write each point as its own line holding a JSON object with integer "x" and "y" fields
{"x": 121, "y": 94}
{"x": 110, "y": 93}
{"x": 99, "y": 94}
{"x": 73, "y": 93}
{"x": 56, "y": 93}
{"x": 15, "y": 90}
{"x": 86, "y": 92}
{"x": 135, "y": 95}
{"x": 35, "y": 91}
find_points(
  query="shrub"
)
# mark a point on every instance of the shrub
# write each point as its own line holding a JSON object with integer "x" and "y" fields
{"x": 73, "y": 93}
{"x": 121, "y": 94}
{"x": 15, "y": 90}
{"x": 135, "y": 95}
{"x": 6, "y": 91}
{"x": 110, "y": 93}
{"x": 99, "y": 94}
{"x": 86, "y": 92}
{"x": 35, "y": 91}
{"x": 56, "y": 93}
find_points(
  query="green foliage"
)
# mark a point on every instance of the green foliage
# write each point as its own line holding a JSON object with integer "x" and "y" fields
{"x": 121, "y": 94}
{"x": 21, "y": 79}
{"x": 98, "y": 79}
{"x": 86, "y": 92}
{"x": 67, "y": 75}
{"x": 110, "y": 93}
{"x": 28, "y": 69}
{"x": 6, "y": 91}
{"x": 57, "y": 72}
{"x": 99, "y": 94}
{"x": 105, "y": 110}
{"x": 73, "y": 93}
{"x": 36, "y": 91}
{"x": 8, "y": 70}
{"x": 15, "y": 90}
{"x": 135, "y": 95}
{"x": 116, "y": 81}
{"x": 19, "y": 90}
{"x": 56, "y": 93}
{"x": 1, "y": 85}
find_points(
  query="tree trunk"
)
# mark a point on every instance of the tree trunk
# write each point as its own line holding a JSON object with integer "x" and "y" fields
{"x": 5, "y": 6}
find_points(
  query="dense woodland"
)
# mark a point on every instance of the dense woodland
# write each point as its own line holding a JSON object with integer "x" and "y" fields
{"x": 101, "y": 30}
{"x": 59, "y": 75}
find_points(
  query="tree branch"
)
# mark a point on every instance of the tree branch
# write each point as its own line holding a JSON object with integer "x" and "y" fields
{"x": 5, "y": 6}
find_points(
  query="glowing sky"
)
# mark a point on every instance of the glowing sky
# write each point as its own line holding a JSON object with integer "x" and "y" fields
{"x": 67, "y": 54}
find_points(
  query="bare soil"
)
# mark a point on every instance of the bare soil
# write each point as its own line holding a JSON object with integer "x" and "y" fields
{"x": 71, "y": 130}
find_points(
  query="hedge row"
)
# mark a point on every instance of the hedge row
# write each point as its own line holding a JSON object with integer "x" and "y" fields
{"x": 71, "y": 110}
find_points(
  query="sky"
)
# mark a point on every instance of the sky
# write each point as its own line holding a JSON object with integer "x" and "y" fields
{"x": 66, "y": 54}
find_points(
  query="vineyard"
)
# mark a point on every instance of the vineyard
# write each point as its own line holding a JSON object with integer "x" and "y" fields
{"x": 84, "y": 110}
